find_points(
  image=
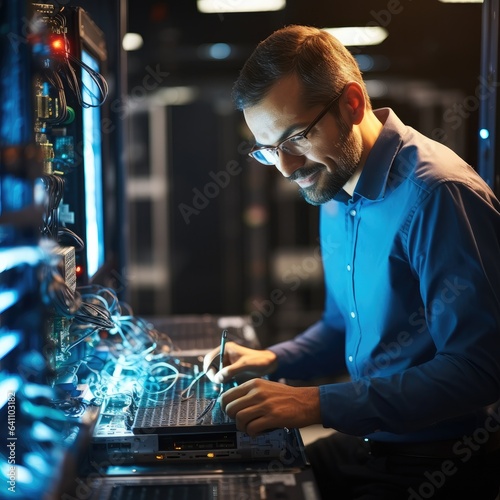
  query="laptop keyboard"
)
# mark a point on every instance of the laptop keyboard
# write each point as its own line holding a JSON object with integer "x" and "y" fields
{"x": 189, "y": 403}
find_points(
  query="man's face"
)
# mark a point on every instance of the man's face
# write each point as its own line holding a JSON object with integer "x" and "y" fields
{"x": 336, "y": 146}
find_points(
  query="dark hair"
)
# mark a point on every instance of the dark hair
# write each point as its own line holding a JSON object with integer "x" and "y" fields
{"x": 320, "y": 61}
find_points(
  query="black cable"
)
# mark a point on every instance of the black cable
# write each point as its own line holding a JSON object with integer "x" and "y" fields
{"x": 56, "y": 293}
{"x": 54, "y": 186}
{"x": 55, "y": 80}
{"x": 76, "y": 85}
{"x": 66, "y": 238}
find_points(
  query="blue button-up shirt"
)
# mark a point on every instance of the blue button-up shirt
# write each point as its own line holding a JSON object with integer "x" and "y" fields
{"x": 412, "y": 273}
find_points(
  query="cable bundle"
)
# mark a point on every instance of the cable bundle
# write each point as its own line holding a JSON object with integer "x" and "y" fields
{"x": 60, "y": 65}
{"x": 54, "y": 187}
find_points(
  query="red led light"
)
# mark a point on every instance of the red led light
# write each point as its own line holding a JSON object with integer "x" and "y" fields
{"x": 57, "y": 45}
{"x": 78, "y": 270}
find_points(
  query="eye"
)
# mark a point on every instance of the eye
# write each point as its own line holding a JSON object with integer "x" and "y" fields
{"x": 297, "y": 145}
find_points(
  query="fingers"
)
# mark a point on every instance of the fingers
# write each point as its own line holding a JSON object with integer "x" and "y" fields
{"x": 245, "y": 405}
{"x": 260, "y": 405}
{"x": 210, "y": 357}
{"x": 253, "y": 422}
{"x": 239, "y": 360}
{"x": 222, "y": 376}
{"x": 232, "y": 365}
{"x": 230, "y": 371}
{"x": 232, "y": 395}
{"x": 211, "y": 363}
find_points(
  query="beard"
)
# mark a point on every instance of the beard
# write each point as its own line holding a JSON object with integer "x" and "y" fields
{"x": 329, "y": 184}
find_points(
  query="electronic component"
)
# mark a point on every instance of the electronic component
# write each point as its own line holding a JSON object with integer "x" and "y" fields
{"x": 113, "y": 441}
{"x": 45, "y": 8}
{"x": 57, "y": 341}
{"x": 67, "y": 266}
{"x": 66, "y": 377}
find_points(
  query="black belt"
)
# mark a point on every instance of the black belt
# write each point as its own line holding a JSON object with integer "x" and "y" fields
{"x": 453, "y": 448}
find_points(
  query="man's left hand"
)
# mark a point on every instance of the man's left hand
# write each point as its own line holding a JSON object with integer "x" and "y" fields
{"x": 261, "y": 405}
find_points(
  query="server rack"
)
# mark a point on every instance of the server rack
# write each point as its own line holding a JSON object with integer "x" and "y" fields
{"x": 41, "y": 443}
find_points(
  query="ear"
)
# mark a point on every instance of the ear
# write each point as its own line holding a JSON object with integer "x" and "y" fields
{"x": 355, "y": 102}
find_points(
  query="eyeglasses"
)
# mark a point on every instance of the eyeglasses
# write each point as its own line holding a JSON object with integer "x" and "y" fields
{"x": 297, "y": 144}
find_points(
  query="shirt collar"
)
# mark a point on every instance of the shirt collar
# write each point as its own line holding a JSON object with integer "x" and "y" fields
{"x": 373, "y": 179}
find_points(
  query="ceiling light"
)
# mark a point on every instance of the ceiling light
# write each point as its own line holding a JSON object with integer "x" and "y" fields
{"x": 173, "y": 96}
{"x": 220, "y": 51}
{"x": 376, "y": 62}
{"x": 376, "y": 88}
{"x": 214, "y": 51}
{"x": 365, "y": 62}
{"x": 132, "y": 41}
{"x": 225, "y": 6}
{"x": 359, "y": 35}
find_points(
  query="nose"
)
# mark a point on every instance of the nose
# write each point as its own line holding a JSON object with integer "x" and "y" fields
{"x": 287, "y": 164}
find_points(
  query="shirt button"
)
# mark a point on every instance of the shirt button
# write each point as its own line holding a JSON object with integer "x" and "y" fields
{"x": 352, "y": 212}
{"x": 350, "y": 358}
{"x": 348, "y": 267}
{"x": 353, "y": 314}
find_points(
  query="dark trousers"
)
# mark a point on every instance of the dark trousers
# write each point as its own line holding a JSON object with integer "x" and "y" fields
{"x": 345, "y": 468}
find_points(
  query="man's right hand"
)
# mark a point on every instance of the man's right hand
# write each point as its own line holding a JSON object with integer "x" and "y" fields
{"x": 239, "y": 360}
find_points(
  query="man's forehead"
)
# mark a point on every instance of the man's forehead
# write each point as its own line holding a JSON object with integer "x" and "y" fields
{"x": 280, "y": 109}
